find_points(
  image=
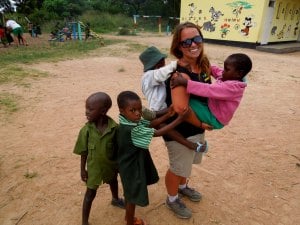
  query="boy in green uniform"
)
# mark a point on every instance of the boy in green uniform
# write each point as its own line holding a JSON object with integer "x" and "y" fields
{"x": 137, "y": 169}
{"x": 96, "y": 144}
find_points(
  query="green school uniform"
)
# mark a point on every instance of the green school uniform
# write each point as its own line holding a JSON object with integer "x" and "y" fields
{"x": 101, "y": 151}
{"x": 136, "y": 167}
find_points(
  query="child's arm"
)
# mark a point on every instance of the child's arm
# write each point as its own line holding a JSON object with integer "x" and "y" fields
{"x": 162, "y": 117}
{"x": 176, "y": 136}
{"x": 163, "y": 73}
{"x": 178, "y": 80}
{"x": 157, "y": 123}
{"x": 216, "y": 71}
{"x": 83, "y": 172}
{"x": 165, "y": 129}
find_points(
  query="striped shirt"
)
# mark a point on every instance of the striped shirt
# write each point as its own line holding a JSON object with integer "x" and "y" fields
{"x": 141, "y": 134}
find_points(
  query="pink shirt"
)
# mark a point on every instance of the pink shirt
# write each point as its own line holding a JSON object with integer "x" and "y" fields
{"x": 224, "y": 97}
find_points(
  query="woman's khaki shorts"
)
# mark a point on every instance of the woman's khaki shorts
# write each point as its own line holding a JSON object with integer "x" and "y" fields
{"x": 181, "y": 158}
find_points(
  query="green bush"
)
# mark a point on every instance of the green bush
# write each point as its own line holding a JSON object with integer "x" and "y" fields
{"x": 106, "y": 23}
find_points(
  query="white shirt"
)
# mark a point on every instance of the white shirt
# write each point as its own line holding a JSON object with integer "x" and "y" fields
{"x": 153, "y": 86}
{"x": 12, "y": 24}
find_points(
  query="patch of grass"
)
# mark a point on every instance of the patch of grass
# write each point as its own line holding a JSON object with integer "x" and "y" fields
{"x": 49, "y": 51}
{"x": 8, "y": 103}
{"x": 16, "y": 74}
{"x": 135, "y": 47}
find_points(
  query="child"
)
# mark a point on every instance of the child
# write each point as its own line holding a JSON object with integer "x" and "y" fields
{"x": 87, "y": 31}
{"x": 96, "y": 144}
{"x": 2, "y": 35}
{"x": 155, "y": 74}
{"x": 17, "y": 31}
{"x": 154, "y": 89}
{"x": 136, "y": 167}
{"x": 224, "y": 95}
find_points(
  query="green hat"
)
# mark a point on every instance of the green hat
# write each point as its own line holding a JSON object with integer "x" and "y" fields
{"x": 150, "y": 57}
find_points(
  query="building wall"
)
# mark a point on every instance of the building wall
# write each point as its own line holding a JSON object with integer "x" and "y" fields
{"x": 285, "y": 23}
{"x": 243, "y": 21}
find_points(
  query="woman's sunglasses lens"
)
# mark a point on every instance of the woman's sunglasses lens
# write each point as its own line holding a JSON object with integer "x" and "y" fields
{"x": 188, "y": 42}
{"x": 197, "y": 39}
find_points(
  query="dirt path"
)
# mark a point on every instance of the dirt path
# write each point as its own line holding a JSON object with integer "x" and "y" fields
{"x": 251, "y": 175}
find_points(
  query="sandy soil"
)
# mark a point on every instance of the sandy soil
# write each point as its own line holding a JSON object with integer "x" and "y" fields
{"x": 251, "y": 175}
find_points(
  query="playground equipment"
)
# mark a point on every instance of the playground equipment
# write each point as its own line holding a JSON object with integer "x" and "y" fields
{"x": 171, "y": 23}
{"x": 92, "y": 33}
{"x": 135, "y": 17}
{"x": 75, "y": 31}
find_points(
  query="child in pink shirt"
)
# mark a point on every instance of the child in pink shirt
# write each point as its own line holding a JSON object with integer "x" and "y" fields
{"x": 224, "y": 96}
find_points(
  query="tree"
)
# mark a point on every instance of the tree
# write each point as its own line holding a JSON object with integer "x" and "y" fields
{"x": 6, "y": 6}
{"x": 28, "y": 7}
{"x": 65, "y": 8}
{"x": 135, "y": 4}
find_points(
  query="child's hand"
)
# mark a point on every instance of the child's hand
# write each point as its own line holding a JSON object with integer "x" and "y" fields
{"x": 181, "y": 62}
{"x": 84, "y": 175}
{"x": 205, "y": 126}
{"x": 178, "y": 80}
{"x": 171, "y": 111}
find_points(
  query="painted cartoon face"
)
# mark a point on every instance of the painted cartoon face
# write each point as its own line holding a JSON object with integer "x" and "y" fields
{"x": 193, "y": 46}
{"x": 133, "y": 110}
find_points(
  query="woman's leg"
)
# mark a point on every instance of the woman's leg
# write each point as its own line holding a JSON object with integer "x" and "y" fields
{"x": 172, "y": 182}
{"x": 180, "y": 103}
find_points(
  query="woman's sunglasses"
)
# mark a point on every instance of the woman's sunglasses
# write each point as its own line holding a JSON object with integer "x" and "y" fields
{"x": 188, "y": 42}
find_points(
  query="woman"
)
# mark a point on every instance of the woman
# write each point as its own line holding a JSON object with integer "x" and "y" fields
{"x": 187, "y": 47}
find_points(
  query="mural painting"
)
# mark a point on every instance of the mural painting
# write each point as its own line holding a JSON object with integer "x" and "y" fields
{"x": 243, "y": 20}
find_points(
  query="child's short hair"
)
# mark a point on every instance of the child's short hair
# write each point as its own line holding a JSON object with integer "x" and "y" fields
{"x": 102, "y": 98}
{"x": 150, "y": 57}
{"x": 126, "y": 96}
{"x": 241, "y": 62}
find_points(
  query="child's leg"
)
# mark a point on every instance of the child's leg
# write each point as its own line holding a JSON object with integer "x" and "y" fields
{"x": 130, "y": 211}
{"x": 114, "y": 188}
{"x": 87, "y": 204}
{"x": 116, "y": 201}
{"x": 180, "y": 103}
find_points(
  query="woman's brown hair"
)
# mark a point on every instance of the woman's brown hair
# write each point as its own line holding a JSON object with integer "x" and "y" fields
{"x": 202, "y": 60}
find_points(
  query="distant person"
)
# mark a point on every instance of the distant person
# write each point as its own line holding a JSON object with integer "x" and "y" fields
{"x": 30, "y": 29}
{"x": 224, "y": 96}
{"x": 56, "y": 30}
{"x": 136, "y": 166}
{"x": 9, "y": 38}
{"x": 3, "y": 36}
{"x": 17, "y": 31}
{"x": 97, "y": 146}
{"x": 87, "y": 31}
{"x": 67, "y": 32}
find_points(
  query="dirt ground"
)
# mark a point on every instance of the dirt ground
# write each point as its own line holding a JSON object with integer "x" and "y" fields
{"x": 250, "y": 176}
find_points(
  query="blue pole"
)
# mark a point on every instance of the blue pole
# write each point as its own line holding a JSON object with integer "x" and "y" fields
{"x": 74, "y": 30}
{"x": 79, "y": 31}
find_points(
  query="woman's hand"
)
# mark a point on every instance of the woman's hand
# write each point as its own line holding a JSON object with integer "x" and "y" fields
{"x": 178, "y": 80}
